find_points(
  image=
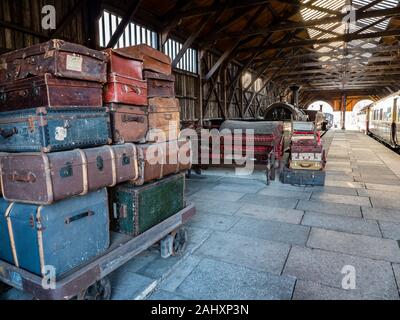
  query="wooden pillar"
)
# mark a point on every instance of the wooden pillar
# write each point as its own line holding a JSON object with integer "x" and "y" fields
{"x": 92, "y": 10}
{"x": 344, "y": 107}
{"x": 224, "y": 93}
{"x": 200, "y": 86}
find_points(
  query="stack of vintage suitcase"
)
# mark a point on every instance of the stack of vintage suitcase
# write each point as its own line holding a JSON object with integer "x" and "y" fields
{"x": 53, "y": 128}
{"x": 307, "y": 156}
{"x": 140, "y": 94}
{"x": 56, "y": 155}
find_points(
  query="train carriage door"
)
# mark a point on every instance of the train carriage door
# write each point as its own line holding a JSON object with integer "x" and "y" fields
{"x": 394, "y": 121}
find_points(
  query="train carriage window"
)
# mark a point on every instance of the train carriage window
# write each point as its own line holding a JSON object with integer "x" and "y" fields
{"x": 388, "y": 114}
{"x": 381, "y": 115}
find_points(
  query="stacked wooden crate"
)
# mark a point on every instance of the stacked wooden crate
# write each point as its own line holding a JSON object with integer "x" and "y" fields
{"x": 62, "y": 147}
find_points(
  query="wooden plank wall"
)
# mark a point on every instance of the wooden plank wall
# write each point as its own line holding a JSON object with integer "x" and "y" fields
{"x": 30, "y": 17}
{"x": 187, "y": 85}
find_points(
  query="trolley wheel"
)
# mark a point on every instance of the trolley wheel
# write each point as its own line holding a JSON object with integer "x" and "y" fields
{"x": 4, "y": 288}
{"x": 101, "y": 290}
{"x": 180, "y": 241}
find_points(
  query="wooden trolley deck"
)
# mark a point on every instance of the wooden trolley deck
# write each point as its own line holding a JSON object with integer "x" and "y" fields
{"x": 123, "y": 248}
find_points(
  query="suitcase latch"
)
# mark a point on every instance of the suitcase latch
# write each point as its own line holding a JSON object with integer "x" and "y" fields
{"x": 100, "y": 163}
{"x": 67, "y": 171}
{"x": 3, "y": 96}
{"x": 125, "y": 160}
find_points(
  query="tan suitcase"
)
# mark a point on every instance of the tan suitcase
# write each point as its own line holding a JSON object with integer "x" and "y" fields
{"x": 306, "y": 165}
{"x": 164, "y": 120}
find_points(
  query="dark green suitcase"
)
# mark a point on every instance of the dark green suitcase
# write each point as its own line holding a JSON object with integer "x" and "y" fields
{"x": 135, "y": 210}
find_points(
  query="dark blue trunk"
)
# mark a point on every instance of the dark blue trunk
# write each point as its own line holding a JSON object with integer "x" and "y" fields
{"x": 62, "y": 236}
{"x": 54, "y": 129}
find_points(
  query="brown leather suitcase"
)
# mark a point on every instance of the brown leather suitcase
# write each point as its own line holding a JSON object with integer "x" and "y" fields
{"x": 125, "y": 90}
{"x": 49, "y": 91}
{"x": 158, "y": 160}
{"x": 124, "y": 65}
{"x": 153, "y": 59}
{"x": 60, "y": 58}
{"x": 164, "y": 120}
{"x": 42, "y": 179}
{"x": 160, "y": 85}
{"x": 128, "y": 123}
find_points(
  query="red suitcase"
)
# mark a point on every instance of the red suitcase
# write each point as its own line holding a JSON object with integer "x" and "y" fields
{"x": 153, "y": 59}
{"x": 49, "y": 91}
{"x": 306, "y": 149}
{"x": 125, "y": 90}
{"x": 159, "y": 85}
{"x": 58, "y": 57}
{"x": 124, "y": 65}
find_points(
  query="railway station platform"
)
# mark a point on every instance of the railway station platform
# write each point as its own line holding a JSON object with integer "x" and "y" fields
{"x": 252, "y": 241}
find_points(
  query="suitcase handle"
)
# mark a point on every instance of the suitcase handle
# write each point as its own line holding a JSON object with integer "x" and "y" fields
{"x": 8, "y": 132}
{"x": 28, "y": 178}
{"x": 79, "y": 217}
{"x": 127, "y": 118}
{"x": 135, "y": 89}
{"x": 168, "y": 116}
{"x": 304, "y": 165}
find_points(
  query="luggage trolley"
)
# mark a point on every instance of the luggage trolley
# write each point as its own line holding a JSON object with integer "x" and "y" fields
{"x": 90, "y": 281}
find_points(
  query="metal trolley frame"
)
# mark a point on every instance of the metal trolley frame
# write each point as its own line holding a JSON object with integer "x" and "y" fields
{"x": 90, "y": 281}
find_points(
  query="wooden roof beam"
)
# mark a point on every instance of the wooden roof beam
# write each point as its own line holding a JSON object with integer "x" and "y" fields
{"x": 290, "y": 26}
{"x": 344, "y": 38}
{"x": 130, "y": 13}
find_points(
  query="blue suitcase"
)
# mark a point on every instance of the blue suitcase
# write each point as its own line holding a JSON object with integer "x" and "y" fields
{"x": 303, "y": 177}
{"x": 54, "y": 129}
{"x": 61, "y": 236}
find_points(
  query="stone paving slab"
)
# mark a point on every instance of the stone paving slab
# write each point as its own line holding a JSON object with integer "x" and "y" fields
{"x": 381, "y": 179}
{"x": 359, "y": 245}
{"x": 128, "y": 285}
{"x": 267, "y": 213}
{"x": 218, "y": 280}
{"x": 242, "y": 181}
{"x": 341, "y": 199}
{"x": 271, "y": 230}
{"x": 212, "y": 195}
{"x": 274, "y": 202}
{"x": 382, "y": 187}
{"x": 161, "y": 295}
{"x": 374, "y": 279}
{"x": 381, "y": 214}
{"x": 378, "y": 194}
{"x": 344, "y": 184}
{"x": 171, "y": 283}
{"x": 396, "y": 270}
{"x": 390, "y": 230}
{"x": 299, "y": 195}
{"x": 342, "y": 223}
{"x": 217, "y": 222}
{"x": 308, "y": 290}
{"x": 330, "y": 208}
{"x": 384, "y": 203}
{"x": 218, "y": 207}
{"x": 332, "y": 190}
{"x": 258, "y": 254}
{"x": 237, "y": 188}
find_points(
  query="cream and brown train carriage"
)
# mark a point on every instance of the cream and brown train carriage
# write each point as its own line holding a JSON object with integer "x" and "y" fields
{"x": 383, "y": 120}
